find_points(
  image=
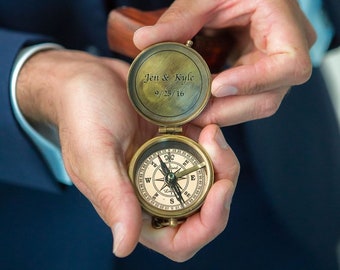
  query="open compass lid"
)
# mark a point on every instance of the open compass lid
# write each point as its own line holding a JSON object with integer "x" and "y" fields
{"x": 169, "y": 83}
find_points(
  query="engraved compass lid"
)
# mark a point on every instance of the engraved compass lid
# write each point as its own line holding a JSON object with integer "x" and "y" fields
{"x": 169, "y": 83}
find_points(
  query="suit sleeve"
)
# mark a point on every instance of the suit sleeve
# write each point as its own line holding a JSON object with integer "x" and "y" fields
{"x": 44, "y": 136}
{"x": 20, "y": 161}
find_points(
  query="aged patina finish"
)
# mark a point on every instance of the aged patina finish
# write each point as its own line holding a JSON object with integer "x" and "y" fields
{"x": 169, "y": 85}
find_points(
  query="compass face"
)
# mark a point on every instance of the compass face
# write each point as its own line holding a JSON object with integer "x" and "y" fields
{"x": 172, "y": 176}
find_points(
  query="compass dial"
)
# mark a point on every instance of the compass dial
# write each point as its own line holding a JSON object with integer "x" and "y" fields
{"x": 172, "y": 175}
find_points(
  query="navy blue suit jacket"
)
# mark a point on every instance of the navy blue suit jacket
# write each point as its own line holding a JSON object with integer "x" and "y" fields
{"x": 285, "y": 213}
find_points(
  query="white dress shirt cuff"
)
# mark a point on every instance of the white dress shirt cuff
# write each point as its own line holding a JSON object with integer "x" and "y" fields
{"x": 44, "y": 136}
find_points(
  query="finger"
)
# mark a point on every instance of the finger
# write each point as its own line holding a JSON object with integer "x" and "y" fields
{"x": 238, "y": 109}
{"x": 226, "y": 165}
{"x": 265, "y": 74}
{"x": 102, "y": 178}
{"x": 113, "y": 197}
{"x": 278, "y": 54}
{"x": 180, "y": 22}
{"x": 181, "y": 243}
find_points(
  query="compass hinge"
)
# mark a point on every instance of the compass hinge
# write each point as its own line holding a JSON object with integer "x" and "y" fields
{"x": 170, "y": 130}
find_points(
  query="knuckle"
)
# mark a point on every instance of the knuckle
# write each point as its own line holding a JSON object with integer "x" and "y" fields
{"x": 303, "y": 70}
{"x": 235, "y": 169}
{"x": 267, "y": 106}
{"x": 180, "y": 253}
{"x": 254, "y": 88}
{"x": 104, "y": 200}
{"x": 180, "y": 257}
{"x": 105, "y": 204}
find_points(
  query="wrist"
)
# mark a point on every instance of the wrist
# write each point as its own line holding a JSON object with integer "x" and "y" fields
{"x": 32, "y": 82}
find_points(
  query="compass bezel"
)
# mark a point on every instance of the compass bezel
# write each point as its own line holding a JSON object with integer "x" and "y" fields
{"x": 164, "y": 142}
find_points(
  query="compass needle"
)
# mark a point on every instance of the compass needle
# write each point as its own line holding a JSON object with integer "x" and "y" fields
{"x": 165, "y": 169}
{"x": 190, "y": 170}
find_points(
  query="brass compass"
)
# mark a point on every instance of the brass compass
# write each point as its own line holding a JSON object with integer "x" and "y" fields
{"x": 169, "y": 85}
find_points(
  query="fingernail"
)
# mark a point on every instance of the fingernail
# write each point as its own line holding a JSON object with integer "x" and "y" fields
{"x": 118, "y": 235}
{"x": 225, "y": 90}
{"x": 219, "y": 137}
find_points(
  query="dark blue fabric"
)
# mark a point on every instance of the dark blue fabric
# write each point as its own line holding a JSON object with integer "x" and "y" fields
{"x": 15, "y": 149}
{"x": 75, "y": 24}
{"x": 332, "y": 8}
{"x": 285, "y": 213}
{"x": 296, "y": 154}
{"x": 40, "y": 230}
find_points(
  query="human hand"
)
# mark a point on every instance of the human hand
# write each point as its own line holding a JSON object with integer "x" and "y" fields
{"x": 270, "y": 52}
{"x": 85, "y": 97}
{"x": 180, "y": 243}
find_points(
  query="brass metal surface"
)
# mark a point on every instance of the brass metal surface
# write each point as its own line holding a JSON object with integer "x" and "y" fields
{"x": 169, "y": 84}
{"x": 190, "y": 166}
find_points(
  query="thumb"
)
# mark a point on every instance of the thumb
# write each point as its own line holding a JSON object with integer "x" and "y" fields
{"x": 180, "y": 22}
{"x": 107, "y": 186}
